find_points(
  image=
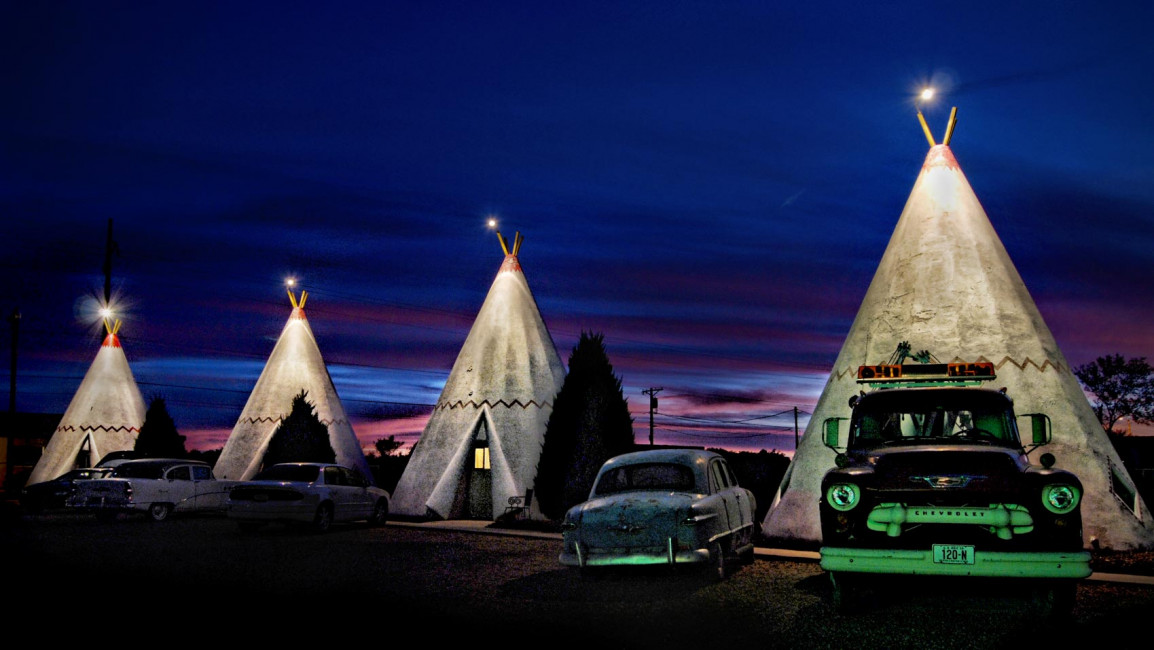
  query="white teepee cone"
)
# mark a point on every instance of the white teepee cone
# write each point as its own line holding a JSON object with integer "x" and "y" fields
{"x": 500, "y": 392}
{"x": 946, "y": 284}
{"x": 104, "y": 416}
{"x": 294, "y": 365}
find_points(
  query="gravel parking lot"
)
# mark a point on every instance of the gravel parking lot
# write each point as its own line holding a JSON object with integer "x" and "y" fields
{"x": 282, "y": 583}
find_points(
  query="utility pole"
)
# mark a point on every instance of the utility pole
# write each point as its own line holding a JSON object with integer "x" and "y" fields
{"x": 110, "y": 248}
{"x": 652, "y": 393}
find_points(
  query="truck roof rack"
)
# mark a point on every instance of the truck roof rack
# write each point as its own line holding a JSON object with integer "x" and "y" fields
{"x": 926, "y": 374}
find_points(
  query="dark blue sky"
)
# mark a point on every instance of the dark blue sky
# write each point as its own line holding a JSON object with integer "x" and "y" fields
{"x": 711, "y": 185}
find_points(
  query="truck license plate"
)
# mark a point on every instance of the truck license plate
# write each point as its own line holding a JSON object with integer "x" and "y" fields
{"x": 953, "y": 554}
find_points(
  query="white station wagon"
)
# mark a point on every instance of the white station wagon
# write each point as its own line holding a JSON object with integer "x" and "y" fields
{"x": 666, "y": 506}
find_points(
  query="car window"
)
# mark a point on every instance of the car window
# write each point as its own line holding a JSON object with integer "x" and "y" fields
{"x": 720, "y": 480}
{"x": 139, "y": 470}
{"x": 201, "y": 473}
{"x": 353, "y": 477}
{"x": 180, "y": 474}
{"x": 289, "y": 473}
{"x": 729, "y": 473}
{"x": 332, "y": 476}
{"x": 646, "y": 476}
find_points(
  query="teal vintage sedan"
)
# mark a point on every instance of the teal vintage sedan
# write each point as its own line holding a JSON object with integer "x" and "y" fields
{"x": 662, "y": 507}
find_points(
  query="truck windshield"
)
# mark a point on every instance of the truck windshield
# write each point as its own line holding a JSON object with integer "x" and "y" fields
{"x": 932, "y": 416}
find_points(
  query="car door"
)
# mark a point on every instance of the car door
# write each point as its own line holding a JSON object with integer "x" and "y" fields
{"x": 179, "y": 489}
{"x": 724, "y": 490}
{"x": 343, "y": 504}
{"x": 740, "y": 497}
{"x": 209, "y": 496}
{"x": 360, "y": 500}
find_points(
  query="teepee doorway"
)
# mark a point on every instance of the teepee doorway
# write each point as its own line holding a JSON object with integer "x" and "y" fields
{"x": 479, "y": 493}
{"x": 84, "y": 454}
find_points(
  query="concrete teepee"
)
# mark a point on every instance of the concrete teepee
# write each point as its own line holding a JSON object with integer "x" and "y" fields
{"x": 104, "y": 416}
{"x": 294, "y": 365}
{"x": 483, "y": 441}
{"x": 946, "y": 284}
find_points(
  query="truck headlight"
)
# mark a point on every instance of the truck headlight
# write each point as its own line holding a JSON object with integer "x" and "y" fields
{"x": 843, "y": 496}
{"x": 1060, "y": 498}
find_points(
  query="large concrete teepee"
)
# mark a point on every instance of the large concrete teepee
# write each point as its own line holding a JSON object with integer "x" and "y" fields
{"x": 946, "y": 284}
{"x": 104, "y": 416}
{"x": 294, "y": 365}
{"x": 483, "y": 441}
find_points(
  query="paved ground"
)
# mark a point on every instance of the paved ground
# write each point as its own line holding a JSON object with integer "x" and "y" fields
{"x": 72, "y": 577}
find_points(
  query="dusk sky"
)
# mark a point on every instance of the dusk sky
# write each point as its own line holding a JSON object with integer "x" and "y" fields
{"x": 710, "y": 185}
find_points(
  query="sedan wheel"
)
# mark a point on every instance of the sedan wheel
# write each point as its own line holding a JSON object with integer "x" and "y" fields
{"x": 324, "y": 518}
{"x": 159, "y": 511}
{"x": 380, "y": 513}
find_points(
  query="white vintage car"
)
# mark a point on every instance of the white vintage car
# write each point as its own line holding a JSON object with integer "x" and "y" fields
{"x": 155, "y": 486}
{"x": 667, "y": 506}
{"x": 316, "y": 494}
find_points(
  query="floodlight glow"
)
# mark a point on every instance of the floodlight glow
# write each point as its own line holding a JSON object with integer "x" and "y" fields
{"x": 492, "y": 223}
{"x": 927, "y": 93}
{"x": 105, "y": 312}
{"x": 290, "y": 282}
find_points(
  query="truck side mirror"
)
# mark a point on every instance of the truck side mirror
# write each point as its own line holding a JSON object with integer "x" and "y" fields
{"x": 832, "y": 432}
{"x": 1042, "y": 428}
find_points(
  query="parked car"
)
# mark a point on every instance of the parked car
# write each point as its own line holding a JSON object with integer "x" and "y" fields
{"x": 38, "y": 497}
{"x": 155, "y": 486}
{"x": 316, "y": 494}
{"x": 934, "y": 479}
{"x": 667, "y": 506}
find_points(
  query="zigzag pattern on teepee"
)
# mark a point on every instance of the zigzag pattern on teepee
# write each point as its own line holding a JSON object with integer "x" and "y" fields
{"x": 99, "y": 427}
{"x": 516, "y": 402}
{"x": 271, "y": 420}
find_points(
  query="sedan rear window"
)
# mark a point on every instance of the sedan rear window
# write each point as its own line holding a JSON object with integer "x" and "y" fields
{"x": 649, "y": 476}
{"x": 290, "y": 473}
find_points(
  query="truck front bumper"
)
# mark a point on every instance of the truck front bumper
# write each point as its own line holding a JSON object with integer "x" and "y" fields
{"x": 1075, "y": 564}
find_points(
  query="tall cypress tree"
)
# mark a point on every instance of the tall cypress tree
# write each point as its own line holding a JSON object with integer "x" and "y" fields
{"x": 301, "y": 437}
{"x": 158, "y": 437}
{"x": 590, "y": 424}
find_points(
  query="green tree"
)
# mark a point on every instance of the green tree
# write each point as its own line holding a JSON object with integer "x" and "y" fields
{"x": 1122, "y": 388}
{"x": 158, "y": 437}
{"x": 387, "y": 446}
{"x": 590, "y": 424}
{"x": 301, "y": 437}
